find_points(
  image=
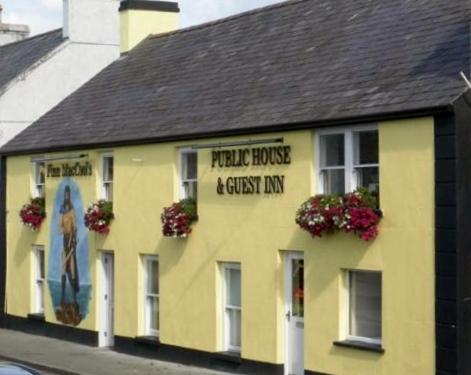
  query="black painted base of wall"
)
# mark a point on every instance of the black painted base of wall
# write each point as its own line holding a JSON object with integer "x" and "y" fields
{"x": 57, "y": 331}
{"x": 144, "y": 348}
{"x": 193, "y": 357}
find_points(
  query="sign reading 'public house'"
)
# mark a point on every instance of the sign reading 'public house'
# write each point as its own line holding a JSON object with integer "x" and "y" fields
{"x": 241, "y": 158}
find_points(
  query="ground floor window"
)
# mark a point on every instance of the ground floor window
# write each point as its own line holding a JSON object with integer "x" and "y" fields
{"x": 364, "y": 306}
{"x": 38, "y": 277}
{"x": 232, "y": 307}
{"x": 151, "y": 295}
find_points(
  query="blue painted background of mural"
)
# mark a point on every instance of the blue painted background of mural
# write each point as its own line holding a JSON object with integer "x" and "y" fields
{"x": 56, "y": 253}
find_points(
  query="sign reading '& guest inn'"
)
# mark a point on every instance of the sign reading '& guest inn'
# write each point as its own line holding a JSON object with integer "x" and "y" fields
{"x": 247, "y": 157}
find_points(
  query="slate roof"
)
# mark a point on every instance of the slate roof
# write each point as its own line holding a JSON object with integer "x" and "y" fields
{"x": 298, "y": 62}
{"x": 17, "y": 57}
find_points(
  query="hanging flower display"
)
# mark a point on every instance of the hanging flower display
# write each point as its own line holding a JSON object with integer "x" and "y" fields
{"x": 98, "y": 216}
{"x": 355, "y": 212}
{"x": 33, "y": 213}
{"x": 177, "y": 219}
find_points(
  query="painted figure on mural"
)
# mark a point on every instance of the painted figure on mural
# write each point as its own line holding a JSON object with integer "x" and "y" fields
{"x": 69, "y": 311}
{"x": 68, "y": 275}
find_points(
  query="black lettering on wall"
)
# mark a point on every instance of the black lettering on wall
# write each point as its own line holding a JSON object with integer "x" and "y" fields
{"x": 274, "y": 184}
{"x": 68, "y": 170}
{"x": 261, "y": 156}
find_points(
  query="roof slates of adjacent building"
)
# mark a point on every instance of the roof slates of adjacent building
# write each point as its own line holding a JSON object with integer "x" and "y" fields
{"x": 17, "y": 57}
{"x": 297, "y": 62}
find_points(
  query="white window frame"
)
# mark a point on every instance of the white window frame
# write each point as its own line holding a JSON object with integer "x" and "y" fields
{"x": 39, "y": 188}
{"x": 182, "y": 169}
{"x": 225, "y": 306}
{"x": 351, "y": 175}
{"x": 38, "y": 281}
{"x": 148, "y": 297}
{"x": 105, "y": 183}
{"x": 349, "y": 337}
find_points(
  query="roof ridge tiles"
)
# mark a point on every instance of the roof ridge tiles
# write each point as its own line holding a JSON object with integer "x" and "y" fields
{"x": 30, "y": 38}
{"x": 219, "y": 21}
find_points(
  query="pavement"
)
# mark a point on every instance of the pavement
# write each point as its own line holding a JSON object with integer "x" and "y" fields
{"x": 53, "y": 356}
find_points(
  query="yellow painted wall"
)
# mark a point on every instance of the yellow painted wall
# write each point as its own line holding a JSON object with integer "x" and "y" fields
{"x": 136, "y": 25}
{"x": 403, "y": 251}
{"x": 20, "y": 239}
{"x": 255, "y": 230}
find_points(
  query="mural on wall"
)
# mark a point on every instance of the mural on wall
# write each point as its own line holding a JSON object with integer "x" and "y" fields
{"x": 69, "y": 276}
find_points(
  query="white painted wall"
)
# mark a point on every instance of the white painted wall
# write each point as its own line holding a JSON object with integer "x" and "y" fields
{"x": 47, "y": 84}
{"x": 92, "y": 27}
{"x": 10, "y": 33}
{"x": 90, "y": 21}
{"x": 9, "y": 129}
{"x": 9, "y": 36}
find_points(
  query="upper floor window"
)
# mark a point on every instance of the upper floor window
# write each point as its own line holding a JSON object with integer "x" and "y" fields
{"x": 348, "y": 159}
{"x": 39, "y": 179}
{"x": 107, "y": 177}
{"x": 188, "y": 174}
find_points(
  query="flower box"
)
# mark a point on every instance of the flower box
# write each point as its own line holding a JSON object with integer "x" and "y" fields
{"x": 32, "y": 214}
{"x": 99, "y": 216}
{"x": 355, "y": 213}
{"x": 177, "y": 219}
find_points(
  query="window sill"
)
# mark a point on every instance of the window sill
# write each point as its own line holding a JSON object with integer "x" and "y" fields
{"x": 148, "y": 340}
{"x": 360, "y": 345}
{"x": 232, "y": 357}
{"x": 38, "y": 317}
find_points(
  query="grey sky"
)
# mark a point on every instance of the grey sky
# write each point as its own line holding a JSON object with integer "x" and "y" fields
{"x": 44, "y": 15}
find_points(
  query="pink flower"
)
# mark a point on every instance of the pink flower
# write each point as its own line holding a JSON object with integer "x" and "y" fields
{"x": 352, "y": 213}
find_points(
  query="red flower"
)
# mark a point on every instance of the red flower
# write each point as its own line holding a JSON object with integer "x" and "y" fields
{"x": 352, "y": 213}
{"x": 177, "y": 219}
{"x": 33, "y": 213}
{"x": 363, "y": 221}
{"x": 99, "y": 216}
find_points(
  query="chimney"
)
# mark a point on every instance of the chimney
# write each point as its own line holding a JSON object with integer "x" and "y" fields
{"x": 91, "y": 21}
{"x": 140, "y": 18}
{"x": 10, "y": 33}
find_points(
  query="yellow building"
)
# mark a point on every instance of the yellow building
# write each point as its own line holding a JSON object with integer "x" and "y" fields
{"x": 250, "y": 116}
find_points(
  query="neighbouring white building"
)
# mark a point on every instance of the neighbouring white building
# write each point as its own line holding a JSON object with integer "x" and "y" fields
{"x": 38, "y": 72}
{"x": 11, "y": 33}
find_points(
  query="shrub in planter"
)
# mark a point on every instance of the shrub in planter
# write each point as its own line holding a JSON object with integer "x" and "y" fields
{"x": 355, "y": 212}
{"x": 33, "y": 213}
{"x": 99, "y": 216}
{"x": 177, "y": 219}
